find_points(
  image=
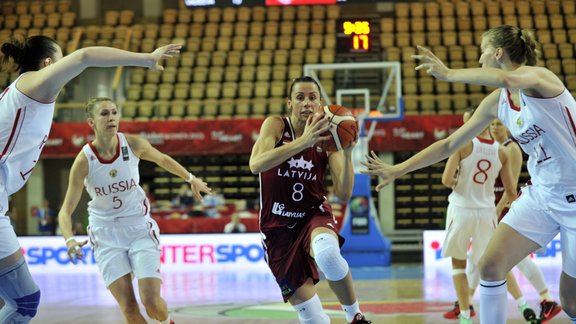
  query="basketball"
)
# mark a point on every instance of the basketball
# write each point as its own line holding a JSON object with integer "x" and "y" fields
{"x": 343, "y": 128}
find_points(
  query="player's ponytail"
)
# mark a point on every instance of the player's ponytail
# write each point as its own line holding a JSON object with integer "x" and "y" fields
{"x": 519, "y": 44}
{"x": 28, "y": 53}
{"x": 531, "y": 46}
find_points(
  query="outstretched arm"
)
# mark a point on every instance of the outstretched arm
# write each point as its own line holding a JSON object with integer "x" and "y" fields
{"x": 145, "y": 151}
{"x": 486, "y": 112}
{"x": 45, "y": 84}
{"x": 536, "y": 80}
{"x": 78, "y": 173}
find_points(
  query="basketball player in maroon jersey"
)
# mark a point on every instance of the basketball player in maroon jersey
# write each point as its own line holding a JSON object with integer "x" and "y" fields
{"x": 296, "y": 222}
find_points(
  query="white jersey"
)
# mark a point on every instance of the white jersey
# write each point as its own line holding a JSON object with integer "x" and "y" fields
{"x": 545, "y": 129}
{"x": 24, "y": 127}
{"x": 113, "y": 185}
{"x": 476, "y": 176}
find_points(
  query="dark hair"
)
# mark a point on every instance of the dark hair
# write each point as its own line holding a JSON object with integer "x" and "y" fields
{"x": 91, "y": 105}
{"x": 303, "y": 79}
{"x": 28, "y": 53}
{"x": 520, "y": 44}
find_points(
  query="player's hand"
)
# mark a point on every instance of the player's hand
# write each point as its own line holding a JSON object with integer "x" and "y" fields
{"x": 198, "y": 186}
{"x": 162, "y": 53}
{"x": 375, "y": 166}
{"x": 433, "y": 65}
{"x": 75, "y": 250}
{"x": 315, "y": 130}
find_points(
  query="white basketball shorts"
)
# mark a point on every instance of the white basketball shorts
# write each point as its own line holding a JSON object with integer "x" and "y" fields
{"x": 465, "y": 224}
{"x": 131, "y": 245}
{"x": 8, "y": 241}
{"x": 532, "y": 217}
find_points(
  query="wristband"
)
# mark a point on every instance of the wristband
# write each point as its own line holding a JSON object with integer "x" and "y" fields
{"x": 70, "y": 239}
{"x": 190, "y": 177}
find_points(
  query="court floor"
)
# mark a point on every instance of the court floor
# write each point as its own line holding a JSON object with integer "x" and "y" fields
{"x": 397, "y": 295}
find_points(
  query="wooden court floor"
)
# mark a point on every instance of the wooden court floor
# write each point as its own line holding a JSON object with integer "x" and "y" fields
{"x": 395, "y": 295}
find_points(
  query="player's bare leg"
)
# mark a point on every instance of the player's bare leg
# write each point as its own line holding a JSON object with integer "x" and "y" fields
{"x": 123, "y": 291}
{"x": 155, "y": 306}
{"x": 567, "y": 297}
{"x": 514, "y": 290}
{"x": 461, "y": 286}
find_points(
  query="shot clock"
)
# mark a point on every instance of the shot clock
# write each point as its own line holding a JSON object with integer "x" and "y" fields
{"x": 354, "y": 35}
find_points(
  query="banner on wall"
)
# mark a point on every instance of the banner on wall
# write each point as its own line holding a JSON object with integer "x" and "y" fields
{"x": 179, "y": 253}
{"x": 435, "y": 264}
{"x": 237, "y": 136}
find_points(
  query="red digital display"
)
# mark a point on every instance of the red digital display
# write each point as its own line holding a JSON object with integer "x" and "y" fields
{"x": 353, "y": 36}
{"x": 298, "y": 2}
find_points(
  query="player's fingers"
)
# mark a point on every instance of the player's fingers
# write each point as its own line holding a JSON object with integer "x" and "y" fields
{"x": 324, "y": 138}
{"x": 422, "y": 66}
{"x": 418, "y": 57}
{"x": 423, "y": 49}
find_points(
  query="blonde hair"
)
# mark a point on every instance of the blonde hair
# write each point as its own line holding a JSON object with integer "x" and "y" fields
{"x": 520, "y": 44}
{"x": 92, "y": 103}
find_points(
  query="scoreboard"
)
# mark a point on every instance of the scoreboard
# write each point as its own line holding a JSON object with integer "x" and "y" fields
{"x": 251, "y": 3}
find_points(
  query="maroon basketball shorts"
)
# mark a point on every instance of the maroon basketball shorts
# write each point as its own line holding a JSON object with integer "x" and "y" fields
{"x": 288, "y": 252}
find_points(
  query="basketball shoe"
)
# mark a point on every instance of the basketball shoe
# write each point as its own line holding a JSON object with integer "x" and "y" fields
{"x": 360, "y": 319}
{"x": 549, "y": 309}
{"x": 529, "y": 314}
{"x": 464, "y": 320}
{"x": 455, "y": 312}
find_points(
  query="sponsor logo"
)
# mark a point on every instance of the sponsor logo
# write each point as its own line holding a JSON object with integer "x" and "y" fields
{"x": 553, "y": 249}
{"x": 278, "y": 209}
{"x": 440, "y": 133}
{"x": 571, "y": 198}
{"x": 208, "y": 253}
{"x": 77, "y": 140}
{"x": 42, "y": 255}
{"x": 403, "y": 133}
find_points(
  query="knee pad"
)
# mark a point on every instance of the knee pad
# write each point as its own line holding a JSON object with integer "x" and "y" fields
{"x": 328, "y": 257}
{"x": 20, "y": 293}
{"x": 311, "y": 312}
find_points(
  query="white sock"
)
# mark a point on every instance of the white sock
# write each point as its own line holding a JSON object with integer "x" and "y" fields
{"x": 521, "y": 302}
{"x": 465, "y": 313}
{"x": 166, "y": 321}
{"x": 493, "y": 302}
{"x": 546, "y": 296}
{"x": 351, "y": 311}
{"x": 532, "y": 273}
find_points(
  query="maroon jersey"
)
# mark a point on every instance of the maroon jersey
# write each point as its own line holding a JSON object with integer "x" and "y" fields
{"x": 293, "y": 191}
